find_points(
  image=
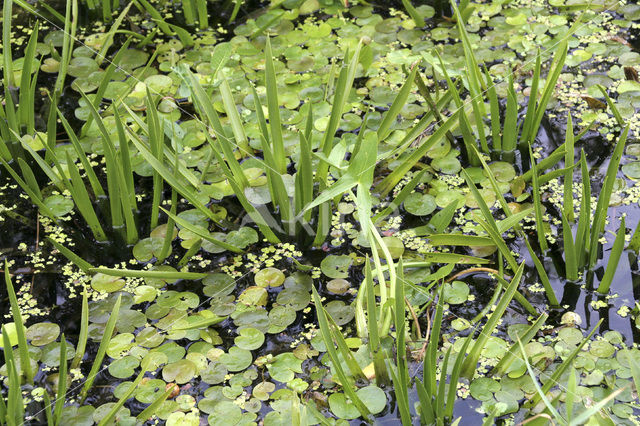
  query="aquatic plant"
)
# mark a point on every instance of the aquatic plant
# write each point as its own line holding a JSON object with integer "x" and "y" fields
{"x": 316, "y": 211}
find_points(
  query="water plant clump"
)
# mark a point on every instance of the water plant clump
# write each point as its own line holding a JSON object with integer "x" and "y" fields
{"x": 319, "y": 212}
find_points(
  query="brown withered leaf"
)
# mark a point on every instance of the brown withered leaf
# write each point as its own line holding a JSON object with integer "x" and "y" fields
{"x": 621, "y": 40}
{"x": 594, "y": 103}
{"x": 630, "y": 73}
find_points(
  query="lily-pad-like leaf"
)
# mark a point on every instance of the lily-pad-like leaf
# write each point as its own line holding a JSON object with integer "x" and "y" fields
{"x": 120, "y": 344}
{"x": 172, "y": 350}
{"x": 179, "y": 418}
{"x": 254, "y": 296}
{"x": 449, "y": 164}
{"x": 340, "y": 312}
{"x": 570, "y": 336}
{"x": 456, "y": 292}
{"x": 214, "y": 373}
{"x": 242, "y": 237}
{"x": 502, "y": 171}
{"x": 373, "y": 398}
{"x": 420, "y": 204}
{"x": 249, "y": 339}
{"x": 129, "y": 320}
{"x": 159, "y": 83}
{"x": 336, "y": 266}
{"x": 483, "y": 388}
{"x": 338, "y": 286}
{"x": 262, "y": 390}
{"x": 77, "y": 416}
{"x": 225, "y": 413}
{"x": 632, "y": 170}
{"x": 602, "y": 349}
{"x": 107, "y": 283}
{"x": 256, "y": 318}
{"x": 284, "y": 366}
{"x": 394, "y": 245}
{"x": 181, "y": 301}
{"x": 218, "y": 284}
{"x": 148, "y": 248}
{"x": 180, "y": 371}
{"x": 269, "y": 277}
{"x": 236, "y": 359}
{"x": 42, "y": 333}
{"x": 295, "y": 297}
{"x": 149, "y": 337}
{"x": 59, "y": 205}
{"x": 280, "y": 317}
{"x": 144, "y": 293}
{"x": 149, "y": 390}
{"x": 124, "y": 368}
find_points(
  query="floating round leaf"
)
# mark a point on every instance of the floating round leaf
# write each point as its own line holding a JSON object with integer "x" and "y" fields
{"x": 570, "y": 336}
{"x": 59, "y": 205}
{"x": 338, "y": 286}
{"x": 178, "y": 300}
{"x": 456, "y": 292}
{"x": 254, "y": 296}
{"x": 106, "y": 283}
{"x": 148, "y": 248}
{"x": 632, "y": 170}
{"x": 181, "y": 371}
{"x": 448, "y": 164}
{"x": 280, "y": 318}
{"x": 373, "y": 398}
{"x": 50, "y": 65}
{"x": 123, "y": 414}
{"x": 149, "y": 337}
{"x": 258, "y": 195}
{"x": 284, "y": 366}
{"x": 120, "y": 344}
{"x": 269, "y": 277}
{"x": 262, "y": 390}
{"x": 336, "y": 266}
{"x": 420, "y": 204}
{"x": 159, "y": 83}
{"x": 236, "y": 359}
{"x": 173, "y": 351}
{"x": 256, "y": 318}
{"x": 214, "y": 373}
{"x": 77, "y": 416}
{"x": 394, "y": 245}
{"x": 340, "y": 312}
{"x": 602, "y": 348}
{"x": 129, "y": 320}
{"x": 294, "y": 297}
{"x": 134, "y": 58}
{"x": 488, "y": 196}
{"x": 82, "y": 66}
{"x": 144, "y": 293}
{"x": 223, "y": 305}
{"x": 503, "y": 171}
{"x": 218, "y": 284}
{"x": 242, "y": 237}
{"x": 342, "y": 407}
{"x": 249, "y": 339}
{"x": 495, "y": 347}
{"x": 42, "y": 333}
{"x": 124, "y": 368}
{"x": 225, "y": 413}
{"x": 183, "y": 419}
